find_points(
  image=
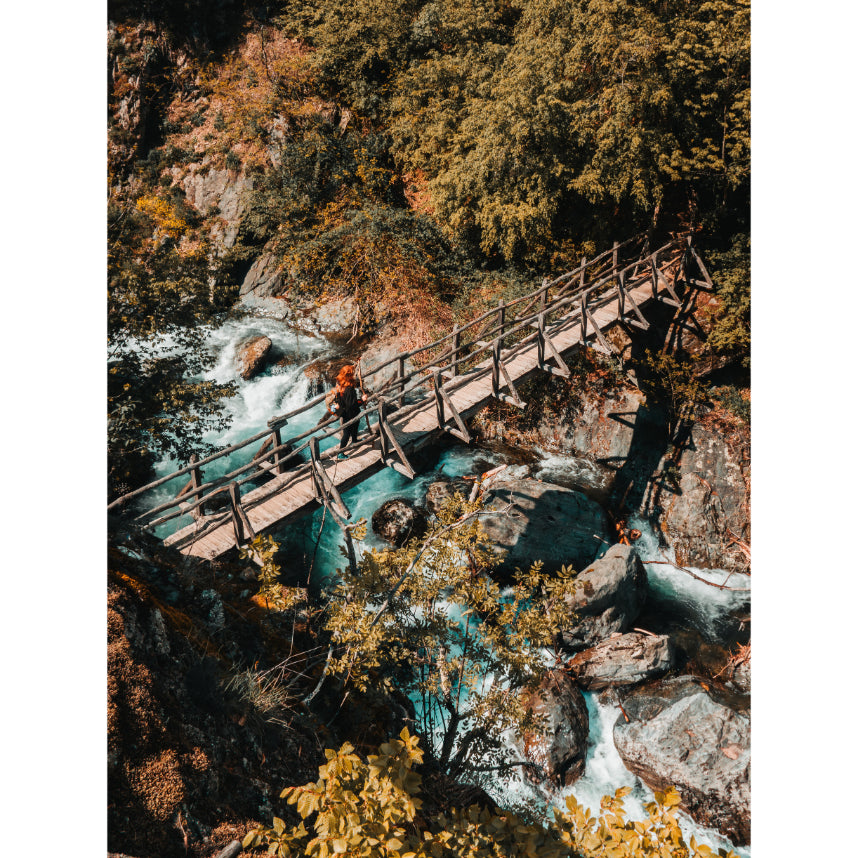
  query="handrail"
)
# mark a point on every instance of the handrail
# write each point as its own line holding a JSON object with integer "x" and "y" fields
{"x": 460, "y": 351}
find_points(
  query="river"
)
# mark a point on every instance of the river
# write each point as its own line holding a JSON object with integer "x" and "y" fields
{"x": 706, "y": 611}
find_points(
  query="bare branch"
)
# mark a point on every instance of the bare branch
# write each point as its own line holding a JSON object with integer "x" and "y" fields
{"x": 698, "y": 578}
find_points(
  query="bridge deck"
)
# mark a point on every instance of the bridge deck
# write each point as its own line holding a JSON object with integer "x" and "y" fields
{"x": 290, "y": 495}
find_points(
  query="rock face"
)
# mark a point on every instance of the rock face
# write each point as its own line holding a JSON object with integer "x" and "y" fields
{"x": 386, "y": 345}
{"x": 438, "y": 492}
{"x": 398, "y": 520}
{"x": 250, "y": 356}
{"x": 678, "y": 735}
{"x": 626, "y": 440}
{"x": 624, "y": 660}
{"x": 608, "y": 598}
{"x": 223, "y": 189}
{"x": 334, "y": 318}
{"x": 549, "y": 523}
{"x": 265, "y": 278}
{"x": 698, "y": 518}
{"x": 562, "y": 751}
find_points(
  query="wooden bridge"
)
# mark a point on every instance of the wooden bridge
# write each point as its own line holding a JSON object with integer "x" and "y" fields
{"x": 461, "y": 372}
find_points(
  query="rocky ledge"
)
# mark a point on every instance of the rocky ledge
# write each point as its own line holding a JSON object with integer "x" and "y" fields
{"x": 677, "y": 734}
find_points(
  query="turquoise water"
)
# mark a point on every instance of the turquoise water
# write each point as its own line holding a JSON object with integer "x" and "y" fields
{"x": 314, "y": 543}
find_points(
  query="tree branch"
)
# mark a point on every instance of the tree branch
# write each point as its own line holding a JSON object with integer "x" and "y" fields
{"x": 434, "y": 538}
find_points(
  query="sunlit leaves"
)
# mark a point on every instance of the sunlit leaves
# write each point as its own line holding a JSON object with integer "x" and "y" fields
{"x": 428, "y": 618}
{"x": 370, "y": 809}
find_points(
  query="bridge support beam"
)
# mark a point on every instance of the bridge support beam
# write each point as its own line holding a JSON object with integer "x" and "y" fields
{"x": 240, "y": 522}
{"x": 497, "y": 368}
{"x": 442, "y": 402}
{"x": 387, "y": 439}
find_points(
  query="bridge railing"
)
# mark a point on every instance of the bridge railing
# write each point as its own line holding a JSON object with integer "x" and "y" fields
{"x": 450, "y": 360}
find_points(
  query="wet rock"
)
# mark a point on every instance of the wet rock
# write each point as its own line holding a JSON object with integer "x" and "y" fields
{"x": 624, "y": 660}
{"x": 549, "y": 523}
{"x": 266, "y": 308}
{"x": 398, "y": 520}
{"x": 679, "y": 735}
{"x": 438, "y": 492}
{"x": 561, "y": 752}
{"x": 211, "y": 603}
{"x": 608, "y": 598}
{"x": 265, "y": 278}
{"x": 250, "y": 356}
{"x": 741, "y": 678}
{"x": 317, "y": 383}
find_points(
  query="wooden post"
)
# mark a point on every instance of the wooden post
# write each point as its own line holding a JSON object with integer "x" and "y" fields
{"x": 314, "y": 458}
{"x": 235, "y": 503}
{"x": 543, "y": 297}
{"x": 501, "y": 318}
{"x": 621, "y": 293}
{"x": 583, "y": 316}
{"x": 382, "y": 427}
{"x": 439, "y": 402}
{"x": 540, "y": 340}
{"x": 615, "y": 257}
{"x": 653, "y": 266}
{"x": 401, "y": 385}
{"x": 496, "y": 351}
{"x": 583, "y": 271}
{"x": 196, "y": 482}
{"x": 457, "y": 344}
{"x": 278, "y": 459}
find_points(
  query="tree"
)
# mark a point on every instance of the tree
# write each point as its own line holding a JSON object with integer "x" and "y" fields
{"x": 671, "y": 383}
{"x": 539, "y": 121}
{"x": 731, "y": 332}
{"x": 159, "y": 297}
{"x": 428, "y": 620}
{"x": 372, "y": 809}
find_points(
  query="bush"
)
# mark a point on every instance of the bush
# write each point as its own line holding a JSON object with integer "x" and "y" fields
{"x": 372, "y": 809}
{"x": 731, "y": 399}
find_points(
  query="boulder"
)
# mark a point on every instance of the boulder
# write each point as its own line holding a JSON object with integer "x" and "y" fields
{"x": 266, "y": 308}
{"x": 398, "y": 520}
{"x": 250, "y": 356}
{"x": 608, "y": 597}
{"x": 679, "y": 735}
{"x": 741, "y": 678}
{"x": 711, "y": 506}
{"x": 560, "y": 752}
{"x": 439, "y": 491}
{"x": 548, "y": 522}
{"x": 623, "y": 660}
{"x": 265, "y": 278}
{"x": 336, "y": 316}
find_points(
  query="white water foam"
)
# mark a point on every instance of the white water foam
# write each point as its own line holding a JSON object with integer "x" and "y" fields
{"x": 276, "y": 391}
{"x": 604, "y": 774}
{"x": 707, "y": 606}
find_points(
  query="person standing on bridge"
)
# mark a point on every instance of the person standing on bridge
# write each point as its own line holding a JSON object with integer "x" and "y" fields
{"x": 346, "y": 404}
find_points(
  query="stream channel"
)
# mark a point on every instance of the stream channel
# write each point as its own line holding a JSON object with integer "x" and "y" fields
{"x": 676, "y": 600}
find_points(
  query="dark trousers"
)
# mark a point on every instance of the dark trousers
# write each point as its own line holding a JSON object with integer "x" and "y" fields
{"x": 350, "y": 433}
